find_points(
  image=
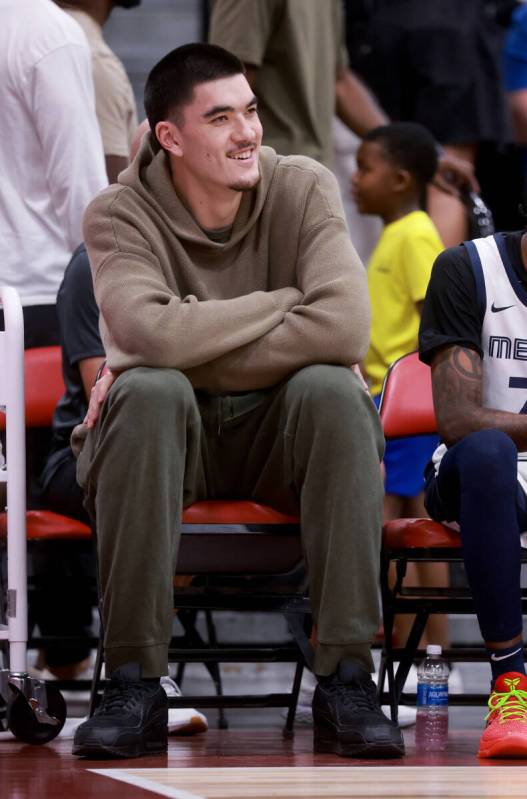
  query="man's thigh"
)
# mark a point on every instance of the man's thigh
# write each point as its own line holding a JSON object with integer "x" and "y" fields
{"x": 149, "y": 421}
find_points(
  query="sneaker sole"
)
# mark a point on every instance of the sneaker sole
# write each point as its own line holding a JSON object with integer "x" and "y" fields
{"x": 153, "y": 741}
{"x": 98, "y": 751}
{"x": 365, "y": 750}
{"x": 513, "y": 746}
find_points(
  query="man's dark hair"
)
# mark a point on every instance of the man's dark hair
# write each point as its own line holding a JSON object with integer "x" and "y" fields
{"x": 170, "y": 85}
{"x": 409, "y": 146}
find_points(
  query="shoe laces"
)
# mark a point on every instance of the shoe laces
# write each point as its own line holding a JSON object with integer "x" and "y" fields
{"x": 508, "y": 705}
{"x": 121, "y": 696}
{"x": 357, "y": 696}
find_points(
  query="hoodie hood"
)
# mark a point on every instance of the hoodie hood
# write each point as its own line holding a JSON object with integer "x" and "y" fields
{"x": 149, "y": 176}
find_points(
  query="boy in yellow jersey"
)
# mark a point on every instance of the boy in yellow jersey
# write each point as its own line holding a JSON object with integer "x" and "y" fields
{"x": 394, "y": 164}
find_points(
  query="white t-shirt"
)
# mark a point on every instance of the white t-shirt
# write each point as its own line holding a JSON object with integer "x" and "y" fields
{"x": 51, "y": 156}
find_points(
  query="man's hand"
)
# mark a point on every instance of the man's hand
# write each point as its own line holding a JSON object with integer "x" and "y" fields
{"x": 97, "y": 396}
{"x": 454, "y": 173}
{"x": 357, "y": 371}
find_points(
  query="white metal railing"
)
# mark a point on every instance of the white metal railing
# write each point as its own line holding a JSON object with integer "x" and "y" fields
{"x": 12, "y": 398}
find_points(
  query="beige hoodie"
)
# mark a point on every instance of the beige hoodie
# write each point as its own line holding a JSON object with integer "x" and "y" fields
{"x": 287, "y": 290}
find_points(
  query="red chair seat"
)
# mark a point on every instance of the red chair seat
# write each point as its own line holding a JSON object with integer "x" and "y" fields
{"x": 272, "y": 545}
{"x": 419, "y": 534}
{"x": 234, "y": 512}
{"x": 207, "y": 551}
{"x": 44, "y": 525}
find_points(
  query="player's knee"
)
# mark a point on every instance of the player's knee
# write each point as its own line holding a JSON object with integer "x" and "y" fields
{"x": 489, "y": 457}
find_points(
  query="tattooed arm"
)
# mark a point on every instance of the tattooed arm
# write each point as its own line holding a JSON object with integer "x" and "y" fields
{"x": 457, "y": 389}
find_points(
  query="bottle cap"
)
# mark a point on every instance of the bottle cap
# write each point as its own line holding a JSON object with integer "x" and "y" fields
{"x": 433, "y": 649}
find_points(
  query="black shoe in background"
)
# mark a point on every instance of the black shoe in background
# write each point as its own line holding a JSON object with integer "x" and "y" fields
{"x": 348, "y": 719}
{"x": 131, "y": 720}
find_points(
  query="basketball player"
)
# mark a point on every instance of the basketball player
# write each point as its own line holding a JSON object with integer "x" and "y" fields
{"x": 474, "y": 335}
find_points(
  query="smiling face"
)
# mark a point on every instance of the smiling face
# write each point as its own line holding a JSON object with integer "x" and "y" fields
{"x": 216, "y": 139}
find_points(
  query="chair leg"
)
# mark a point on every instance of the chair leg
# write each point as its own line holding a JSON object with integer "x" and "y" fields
{"x": 194, "y": 639}
{"x": 99, "y": 660}
{"x": 96, "y": 680}
{"x": 410, "y": 648}
{"x": 187, "y": 619}
{"x": 288, "y": 731}
{"x": 388, "y": 618}
{"x": 394, "y": 699}
{"x": 214, "y": 669}
{"x": 180, "y": 673}
{"x": 300, "y": 625}
{"x": 381, "y": 677}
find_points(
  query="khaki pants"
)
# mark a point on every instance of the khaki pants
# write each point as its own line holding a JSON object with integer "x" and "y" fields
{"x": 311, "y": 445}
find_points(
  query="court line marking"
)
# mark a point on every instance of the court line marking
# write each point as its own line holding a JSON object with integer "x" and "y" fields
{"x": 444, "y": 782}
{"x": 143, "y": 782}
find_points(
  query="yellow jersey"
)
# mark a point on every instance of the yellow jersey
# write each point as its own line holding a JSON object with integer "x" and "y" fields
{"x": 398, "y": 275}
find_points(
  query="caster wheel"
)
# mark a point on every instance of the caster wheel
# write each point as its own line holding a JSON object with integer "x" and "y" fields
{"x": 23, "y": 723}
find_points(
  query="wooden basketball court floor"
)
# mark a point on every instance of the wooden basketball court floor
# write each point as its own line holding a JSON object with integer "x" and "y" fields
{"x": 259, "y": 763}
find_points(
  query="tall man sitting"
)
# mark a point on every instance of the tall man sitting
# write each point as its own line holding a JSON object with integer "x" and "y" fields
{"x": 473, "y": 335}
{"x": 232, "y": 306}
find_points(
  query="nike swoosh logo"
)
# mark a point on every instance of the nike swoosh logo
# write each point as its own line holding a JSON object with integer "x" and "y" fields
{"x": 504, "y": 657}
{"x": 494, "y": 309}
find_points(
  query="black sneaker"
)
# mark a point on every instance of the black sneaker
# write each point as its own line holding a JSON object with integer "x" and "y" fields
{"x": 131, "y": 720}
{"x": 348, "y": 719}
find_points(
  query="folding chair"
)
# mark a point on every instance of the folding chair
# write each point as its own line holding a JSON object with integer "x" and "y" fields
{"x": 407, "y": 409}
{"x": 241, "y": 555}
{"x": 237, "y": 552}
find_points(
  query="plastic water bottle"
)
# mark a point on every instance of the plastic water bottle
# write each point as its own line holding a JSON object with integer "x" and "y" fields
{"x": 431, "y": 729}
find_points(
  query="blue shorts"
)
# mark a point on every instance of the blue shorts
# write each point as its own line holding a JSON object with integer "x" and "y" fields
{"x": 514, "y": 52}
{"x": 515, "y": 73}
{"x": 405, "y": 460}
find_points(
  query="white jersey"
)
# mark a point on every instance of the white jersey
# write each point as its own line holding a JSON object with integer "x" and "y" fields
{"x": 503, "y": 303}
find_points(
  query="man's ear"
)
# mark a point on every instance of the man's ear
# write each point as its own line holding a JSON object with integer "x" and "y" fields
{"x": 168, "y": 136}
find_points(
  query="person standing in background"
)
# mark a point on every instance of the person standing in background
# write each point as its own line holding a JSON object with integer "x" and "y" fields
{"x": 51, "y": 166}
{"x": 51, "y": 160}
{"x": 438, "y": 64}
{"x": 296, "y": 62}
{"x": 114, "y": 97}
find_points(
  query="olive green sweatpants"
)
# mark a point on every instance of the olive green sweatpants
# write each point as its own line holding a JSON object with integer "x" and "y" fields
{"x": 311, "y": 445}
